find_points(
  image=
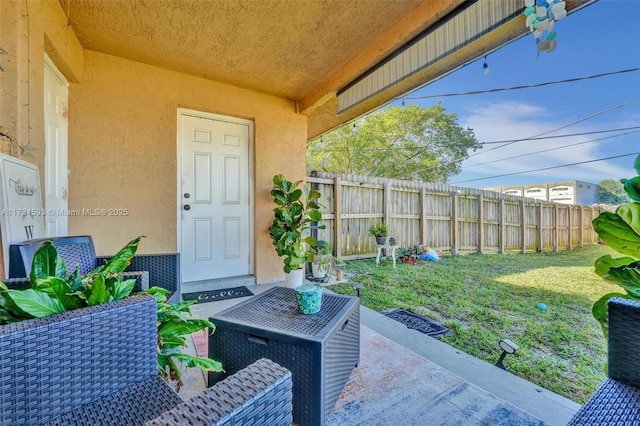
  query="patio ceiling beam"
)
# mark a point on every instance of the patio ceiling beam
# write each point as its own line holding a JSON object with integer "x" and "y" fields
{"x": 324, "y": 117}
{"x": 425, "y": 15}
{"x": 455, "y": 31}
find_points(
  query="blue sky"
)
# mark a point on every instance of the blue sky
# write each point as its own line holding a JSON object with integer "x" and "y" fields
{"x": 600, "y": 38}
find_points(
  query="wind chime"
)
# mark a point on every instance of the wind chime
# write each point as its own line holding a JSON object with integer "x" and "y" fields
{"x": 541, "y": 17}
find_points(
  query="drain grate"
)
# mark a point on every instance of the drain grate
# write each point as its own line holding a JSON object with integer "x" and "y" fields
{"x": 416, "y": 322}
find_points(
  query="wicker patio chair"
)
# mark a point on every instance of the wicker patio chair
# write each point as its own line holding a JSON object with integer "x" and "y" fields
{"x": 162, "y": 270}
{"x": 617, "y": 400}
{"x": 97, "y": 366}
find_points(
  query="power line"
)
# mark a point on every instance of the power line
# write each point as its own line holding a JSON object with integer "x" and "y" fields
{"x": 546, "y": 168}
{"x": 548, "y": 83}
{"x": 573, "y": 123}
{"x": 405, "y": 148}
{"x": 527, "y": 86}
{"x": 550, "y": 149}
{"x": 566, "y": 135}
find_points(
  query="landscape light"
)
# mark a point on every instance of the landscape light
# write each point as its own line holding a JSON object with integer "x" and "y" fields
{"x": 357, "y": 288}
{"x": 508, "y": 347}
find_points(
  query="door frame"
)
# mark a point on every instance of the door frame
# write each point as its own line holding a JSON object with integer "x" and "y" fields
{"x": 226, "y": 119}
{"x": 50, "y": 66}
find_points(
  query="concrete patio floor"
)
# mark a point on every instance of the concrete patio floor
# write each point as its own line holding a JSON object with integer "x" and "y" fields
{"x": 462, "y": 383}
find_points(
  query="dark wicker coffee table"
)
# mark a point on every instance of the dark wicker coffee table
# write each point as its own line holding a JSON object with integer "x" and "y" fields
{"x": 320, "y": 350}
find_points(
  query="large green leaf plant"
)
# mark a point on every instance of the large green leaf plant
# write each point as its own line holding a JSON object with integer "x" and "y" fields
{"x": 53, "y": 291}
{"x": 620, "y": 231}
{"x": 296, "y": 210}
{"x": 173, "y": 329}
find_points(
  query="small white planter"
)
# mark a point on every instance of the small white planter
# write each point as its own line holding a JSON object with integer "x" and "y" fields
{"x": 319, "y": 271}
{"x": 294, "y": 278}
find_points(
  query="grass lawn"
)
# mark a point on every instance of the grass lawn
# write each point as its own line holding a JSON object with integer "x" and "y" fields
{"x": 484, "y": 298}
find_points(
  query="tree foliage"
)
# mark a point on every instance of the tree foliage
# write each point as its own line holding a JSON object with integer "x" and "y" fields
{"x": 397, "y": 142}
{"x": 612, "y": 192}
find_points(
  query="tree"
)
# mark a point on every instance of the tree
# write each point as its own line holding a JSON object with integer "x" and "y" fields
{"x": 612, "y": 192}
{"x": 397, "y": 142}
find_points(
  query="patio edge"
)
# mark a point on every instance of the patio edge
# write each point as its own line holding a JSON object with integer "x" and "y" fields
{"x": 548, "y": 406}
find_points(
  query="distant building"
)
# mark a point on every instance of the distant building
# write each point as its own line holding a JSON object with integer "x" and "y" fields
{"x": 568, "y": 192}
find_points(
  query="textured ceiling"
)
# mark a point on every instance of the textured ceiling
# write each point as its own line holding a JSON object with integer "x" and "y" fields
{"x": 280, "y": 47}
{"x": 302, "y": 50}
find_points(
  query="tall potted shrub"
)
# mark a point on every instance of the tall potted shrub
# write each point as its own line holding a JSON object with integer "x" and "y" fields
{"x": 296, "y": 210}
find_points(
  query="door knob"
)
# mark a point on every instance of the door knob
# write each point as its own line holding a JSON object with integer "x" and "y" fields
{"x": 187, "y": 195}
{"x": 187, "y": 207}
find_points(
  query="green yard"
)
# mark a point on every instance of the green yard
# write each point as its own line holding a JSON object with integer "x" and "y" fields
{"x": 483, "y": 298}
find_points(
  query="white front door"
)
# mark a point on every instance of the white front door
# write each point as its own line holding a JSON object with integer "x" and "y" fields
{"x": 214, "y": 196}
{"x": 56, "y": 96}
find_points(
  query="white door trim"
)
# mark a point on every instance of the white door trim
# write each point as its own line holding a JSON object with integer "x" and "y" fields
{"x": 226, "y": 119}
{"x": 61, "y": 170}
{"x": 55, "y": 71}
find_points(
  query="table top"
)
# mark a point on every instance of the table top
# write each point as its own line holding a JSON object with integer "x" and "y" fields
{"x": 277, "y": 309}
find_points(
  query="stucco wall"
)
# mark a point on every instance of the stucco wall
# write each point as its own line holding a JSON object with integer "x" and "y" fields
{"x": 123, "y": 152}
{"x": 122, "y": 131}
{"x": 28, "y": 29}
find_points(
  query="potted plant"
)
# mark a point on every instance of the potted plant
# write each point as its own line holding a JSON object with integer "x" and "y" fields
{"x": 296, "y": 210}
{"x": 53, "y": 291}
{"x": 322, "y": 259}
{"x": 407, "y": 255}
{"x": 379, "y": 230}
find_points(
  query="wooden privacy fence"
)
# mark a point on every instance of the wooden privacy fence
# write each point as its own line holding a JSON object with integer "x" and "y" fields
{"x": 449, "y": 219}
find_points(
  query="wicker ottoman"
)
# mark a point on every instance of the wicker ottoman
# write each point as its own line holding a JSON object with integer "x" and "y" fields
{"x": 320, "y": 350}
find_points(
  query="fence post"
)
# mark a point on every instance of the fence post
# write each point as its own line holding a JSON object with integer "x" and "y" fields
{"x": 337, "y": 216}
{"x": 386, "y": 208}
{"x": 385, "y": 199}
{"x": 423, "y": 215}
{"x": 592, "y": 234}
{"x": 555, "y": 227}
{"x": 502, "y": 236}
{"x": 569, "y": 240}
{"x": 523, "y": 228}
{"x": 581, "y": 233}
{"x": 539, "y": 220}
{"x": 480, "y": 223}
{"x": 454, "y": 223}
